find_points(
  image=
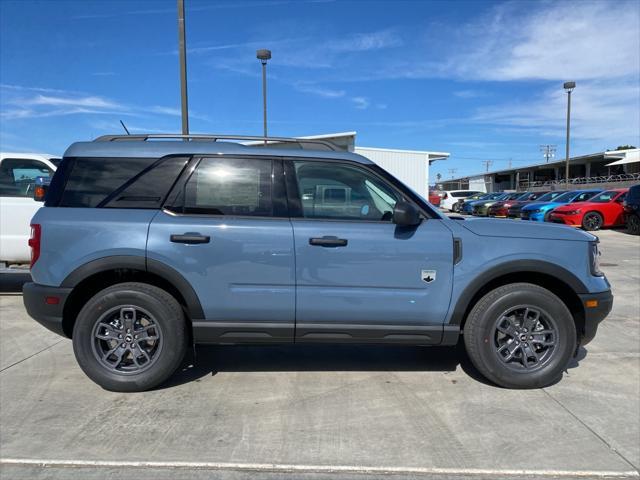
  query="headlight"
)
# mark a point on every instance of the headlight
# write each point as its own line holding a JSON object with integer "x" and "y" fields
{"x": 572, "y": 212}
{"x": 594, "y": 254}
{"x": 533, "y": 211}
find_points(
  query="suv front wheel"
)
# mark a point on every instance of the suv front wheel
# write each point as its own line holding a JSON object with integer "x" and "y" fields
{"x": 520, "y": 336}
{"x": 130, "y": 337}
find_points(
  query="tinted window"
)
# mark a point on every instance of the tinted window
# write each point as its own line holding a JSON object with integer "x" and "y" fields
{"x": 536, "y": 195}
{"x": 548, "y": 197}
{"x": 18, "y": 175}
{"x": 339, "y": 191}
{"x": 118, "y": 182}
{"x": 149, "y": 189}
{"x": 239, "y": 187}
{"x": 604, "y": 197}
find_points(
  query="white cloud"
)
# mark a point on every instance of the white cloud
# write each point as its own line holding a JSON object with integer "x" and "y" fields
{"x": 362, "y": 42}
{"x": 601, "y": 111}
{"x": 468, "y": 94}
{"x": 361, "y": 103}
{"x": 20, "y": 102}
{"x": 560, "y": 40}
{"x": 320, "y": 91}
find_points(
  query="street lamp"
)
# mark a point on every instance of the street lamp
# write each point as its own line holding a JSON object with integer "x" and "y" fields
{"x": 568, "y": 86}
{"x": 263, "y": 55}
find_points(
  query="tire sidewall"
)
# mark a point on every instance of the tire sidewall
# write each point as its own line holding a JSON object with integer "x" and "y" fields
{"x": 170, "y": 355}
{"x": 483, "y": 336}
{"x": 633, "y": 224}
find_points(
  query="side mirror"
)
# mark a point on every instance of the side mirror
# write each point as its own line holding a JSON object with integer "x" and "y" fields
{"x": 406, "y": 215}
{"x": 40, "y": 188}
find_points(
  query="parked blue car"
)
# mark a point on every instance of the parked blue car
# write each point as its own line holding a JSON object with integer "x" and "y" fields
{"x": 540, "y": 210}
{"x": 149, "y": 244}
{"x": 467, "y": 208}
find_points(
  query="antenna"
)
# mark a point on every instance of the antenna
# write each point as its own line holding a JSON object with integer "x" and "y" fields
{"x": 548, "y": 151}
{"x": 125, "y": 127}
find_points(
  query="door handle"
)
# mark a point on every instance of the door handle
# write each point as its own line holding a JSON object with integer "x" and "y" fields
{"x": 328, "y": 242}
{"x": 190, "y": 238}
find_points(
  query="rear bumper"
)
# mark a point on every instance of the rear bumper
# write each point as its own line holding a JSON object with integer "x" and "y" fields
{"x": 594, "y": 315}
{"x": 46, "y": 314}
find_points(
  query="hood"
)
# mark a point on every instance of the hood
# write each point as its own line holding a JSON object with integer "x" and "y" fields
{"x": 537, "y": 205}
{"x": 507, "y": 229}
{"x": 576, "y": 205}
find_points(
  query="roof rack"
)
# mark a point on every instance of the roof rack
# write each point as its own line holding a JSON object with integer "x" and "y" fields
{"x": 214, "y": 138}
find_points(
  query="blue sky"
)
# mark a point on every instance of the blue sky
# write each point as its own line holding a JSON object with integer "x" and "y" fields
{"x": 481, "y": 80}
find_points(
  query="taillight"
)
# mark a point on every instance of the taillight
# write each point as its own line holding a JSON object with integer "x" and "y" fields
{"x": 34, "y": 242}
{"x": 445, "y": 196}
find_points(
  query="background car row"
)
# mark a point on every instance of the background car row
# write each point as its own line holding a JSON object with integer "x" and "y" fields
{"x": 590, "y": 209}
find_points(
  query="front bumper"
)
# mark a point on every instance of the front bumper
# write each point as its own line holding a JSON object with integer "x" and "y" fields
{"x": 593, "y": 315}
{"x": 39, "y": 302}
{"x": 573, "y": 220}
{"x": 534, "y": 217}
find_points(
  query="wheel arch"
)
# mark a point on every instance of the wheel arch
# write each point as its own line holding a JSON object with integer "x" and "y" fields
{"x": 554, "y": 278}
{"x": 101, "y": 273}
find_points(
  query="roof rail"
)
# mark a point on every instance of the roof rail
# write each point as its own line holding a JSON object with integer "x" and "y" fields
{"x": 214, "y": 138}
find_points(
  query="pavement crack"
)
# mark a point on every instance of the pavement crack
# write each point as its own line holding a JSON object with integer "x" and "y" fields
{"x": 31, "y": 356}
{"x": 596, "y": 434}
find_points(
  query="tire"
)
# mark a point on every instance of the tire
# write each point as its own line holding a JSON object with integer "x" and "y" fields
{"x": 633, "y": 224}
{"x": 592, "y": 221}
{"x": 137, "y": 364}
{"x": 455, "y": 208}
{"x": 493, "y": 352}
{"x": 546, "y": 215}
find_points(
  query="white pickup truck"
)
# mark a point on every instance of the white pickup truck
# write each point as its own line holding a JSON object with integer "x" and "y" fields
{"x": 18, "y": 172}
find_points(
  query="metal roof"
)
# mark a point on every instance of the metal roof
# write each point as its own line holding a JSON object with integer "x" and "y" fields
{"x": 556, "y": 163}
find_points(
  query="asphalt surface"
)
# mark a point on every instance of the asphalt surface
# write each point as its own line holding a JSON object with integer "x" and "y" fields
{"x": 326, "y": 412}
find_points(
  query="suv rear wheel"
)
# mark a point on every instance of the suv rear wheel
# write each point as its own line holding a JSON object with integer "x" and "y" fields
{"x": 130, "y": 337}
{"x": 633, "y": 224}
{"x": 520, "y": 336}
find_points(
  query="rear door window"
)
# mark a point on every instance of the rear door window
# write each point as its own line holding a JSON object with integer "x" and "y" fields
{"x": 231, "y": 186}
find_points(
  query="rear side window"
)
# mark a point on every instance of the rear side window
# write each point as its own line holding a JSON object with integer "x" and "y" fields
{"x": 18, "y": 176}
{"x": 233, "y": 186}
{"x": 119, "y": 182}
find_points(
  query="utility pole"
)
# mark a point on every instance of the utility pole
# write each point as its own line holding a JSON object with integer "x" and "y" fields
{"x": 568, "y": 86}
{"x": 548, "y": 151}
{"x": 510, "y": 161}
{"x": 452, "y": 171}
{"x": 487, "y": 164}
{"x": 182, "y": 51}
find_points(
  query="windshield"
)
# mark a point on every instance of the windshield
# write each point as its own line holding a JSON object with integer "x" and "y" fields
{"x": 565, "y": 197}
{"x": 604, "y": 197}
{"x": 548, "y": 197}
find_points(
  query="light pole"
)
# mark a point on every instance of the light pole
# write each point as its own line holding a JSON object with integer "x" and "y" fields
{"x": 183, "y": 68}
{"x": 568, "y": 86}
{"x": 263, "y": 55}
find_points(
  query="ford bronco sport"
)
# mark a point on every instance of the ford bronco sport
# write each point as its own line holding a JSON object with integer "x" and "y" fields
{"x": 147, "y": 244}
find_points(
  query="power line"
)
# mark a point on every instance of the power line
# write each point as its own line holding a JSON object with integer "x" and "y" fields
{"x": 452, "y": 171}
{"x": 548, "y": 151}
{"x": 487, "y": 164}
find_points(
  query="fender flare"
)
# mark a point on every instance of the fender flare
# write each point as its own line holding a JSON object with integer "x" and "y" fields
{"x": 511, "y": 267}
{"x": 148, "y": 265}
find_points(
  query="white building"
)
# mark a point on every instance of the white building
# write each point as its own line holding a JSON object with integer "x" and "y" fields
{"x": 409, "y": 166}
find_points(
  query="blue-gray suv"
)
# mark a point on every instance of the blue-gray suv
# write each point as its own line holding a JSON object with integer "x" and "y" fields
{"x": 147, "y": 244}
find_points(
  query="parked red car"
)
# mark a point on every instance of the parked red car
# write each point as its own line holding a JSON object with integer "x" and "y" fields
{"x": 603, "y": 210}
{"x": 501, "y": 209}
{"x": 434, "y": 199}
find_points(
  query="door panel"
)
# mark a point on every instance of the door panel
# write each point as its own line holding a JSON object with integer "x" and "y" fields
{"x": 377, "y": 278}
{"x": 245, "y": 273}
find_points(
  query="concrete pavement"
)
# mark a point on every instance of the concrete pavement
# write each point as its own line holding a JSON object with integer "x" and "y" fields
{"x": 328, "y": 411}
